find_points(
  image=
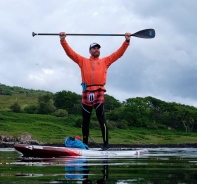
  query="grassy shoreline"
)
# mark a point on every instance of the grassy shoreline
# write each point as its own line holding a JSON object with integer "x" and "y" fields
{"x": 49, "y": 129}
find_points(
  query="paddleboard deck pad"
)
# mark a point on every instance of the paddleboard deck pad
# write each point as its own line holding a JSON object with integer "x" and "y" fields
{"x": 50, "y": 151}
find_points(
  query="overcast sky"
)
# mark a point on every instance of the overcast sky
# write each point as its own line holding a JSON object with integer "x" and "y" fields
{"x": 164, "y": 67}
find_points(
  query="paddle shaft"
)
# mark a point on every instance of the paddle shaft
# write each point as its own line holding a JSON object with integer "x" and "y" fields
{"x": 147, "y": 33}
{"x": 75, "y": 34}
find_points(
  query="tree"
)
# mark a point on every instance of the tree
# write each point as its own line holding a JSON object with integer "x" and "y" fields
{"x": 45, "y": 98}
{"x": 67, "y": 100}
{"x": 187, "y": 117}
{"x": 111, "y": 103}
{"x": 156, "y": 106}
{"x": 45, "y": 104}
{"x": 137, "y": 112}
{"x": 117, "y": 114}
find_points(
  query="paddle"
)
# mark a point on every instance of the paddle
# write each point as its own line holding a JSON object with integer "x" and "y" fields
{"x": 146, "y": 33}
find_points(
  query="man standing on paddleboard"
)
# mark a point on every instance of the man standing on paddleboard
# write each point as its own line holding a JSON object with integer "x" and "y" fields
{"x": 94, "y": 73}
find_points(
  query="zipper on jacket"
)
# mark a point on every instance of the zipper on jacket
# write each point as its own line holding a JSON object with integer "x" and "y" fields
{"x": 93, "y": 72}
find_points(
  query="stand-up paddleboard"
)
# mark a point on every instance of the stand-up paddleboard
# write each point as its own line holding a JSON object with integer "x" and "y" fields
{"x": 50, "y": 151}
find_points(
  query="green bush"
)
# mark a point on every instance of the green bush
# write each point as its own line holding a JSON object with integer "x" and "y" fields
{"x": 94, "y": 125}
{"x": 78, "y": 122}
{"x": 122, "y": 124}
{"x": 155, "y": 126}
{"x": 15, "y": 107}
{"x": 31, "y": 109}
{"x": 111, "y": 125}
{"x": 61, "y": 113}
{"x": 45, "y": 108}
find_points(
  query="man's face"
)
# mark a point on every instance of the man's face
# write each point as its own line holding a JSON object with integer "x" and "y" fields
{"x": 95, "y": 51}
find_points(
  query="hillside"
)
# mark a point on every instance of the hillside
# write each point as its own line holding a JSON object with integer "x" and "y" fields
{"x": 11, "y": 94}
{"x": 137, "y": 120}
{"x": 11, "y": 90}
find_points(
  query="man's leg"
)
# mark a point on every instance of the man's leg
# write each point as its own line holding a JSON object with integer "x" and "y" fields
{"x": 103, "y": 124}
{"x": 86, "y": 114}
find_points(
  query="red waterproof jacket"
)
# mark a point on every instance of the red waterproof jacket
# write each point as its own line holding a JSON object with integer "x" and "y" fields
{"x": 94, "y": 70}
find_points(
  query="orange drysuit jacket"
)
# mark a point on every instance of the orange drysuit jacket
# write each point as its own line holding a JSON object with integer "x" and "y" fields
{"x": 94, "y": 70}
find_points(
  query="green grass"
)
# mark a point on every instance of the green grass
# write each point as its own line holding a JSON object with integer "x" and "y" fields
{"x": 43, "y": 127}
{"x": 50, "y": 129}
{"x": 7, "y": 101}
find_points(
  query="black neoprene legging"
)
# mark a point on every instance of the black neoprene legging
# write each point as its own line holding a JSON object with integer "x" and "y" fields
{"x": 86, "y": 114}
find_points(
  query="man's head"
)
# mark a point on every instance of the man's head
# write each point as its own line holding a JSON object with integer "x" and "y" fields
{"x": 94, "y": 49}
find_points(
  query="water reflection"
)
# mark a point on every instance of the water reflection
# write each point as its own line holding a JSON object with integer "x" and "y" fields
{"x": 161, "y": 165}
{"x": 76, "y": 169}
{"x": 82, "y": 172}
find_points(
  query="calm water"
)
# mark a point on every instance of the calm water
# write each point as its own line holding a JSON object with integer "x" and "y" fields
{"x": 164, "y": 165}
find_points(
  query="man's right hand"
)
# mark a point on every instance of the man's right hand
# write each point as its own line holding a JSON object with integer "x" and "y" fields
{"x": 62, "y": 36}
{"x": 128, "y": 37}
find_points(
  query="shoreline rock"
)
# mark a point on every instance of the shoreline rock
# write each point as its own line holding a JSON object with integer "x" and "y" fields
{"x": 4, "y": 144}
{"x": 9, "y": 141}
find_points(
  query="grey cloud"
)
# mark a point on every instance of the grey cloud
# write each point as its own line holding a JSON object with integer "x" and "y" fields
{"x": 163, "y": 67}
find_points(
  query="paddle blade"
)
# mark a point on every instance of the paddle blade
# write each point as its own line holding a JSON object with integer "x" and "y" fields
{"x": 146, "y": 33}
